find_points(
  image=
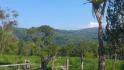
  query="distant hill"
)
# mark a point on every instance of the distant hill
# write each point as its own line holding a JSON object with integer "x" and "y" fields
{"x": 64, "y": 36}
{"x": 89, "y": 34}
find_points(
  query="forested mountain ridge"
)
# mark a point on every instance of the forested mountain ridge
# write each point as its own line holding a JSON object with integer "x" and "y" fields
{"x": 63, "y": 36}
{"x": 89, "y": 34}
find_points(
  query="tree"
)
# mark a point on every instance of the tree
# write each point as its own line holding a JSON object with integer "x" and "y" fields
{"x": 7, "y": 22}
{"x": 68, "y": 48}
{"x": 28, "y": 48}
{"x": 47, "y": 34}
{"x": 85, "y": 49}
{"x": 98, "y": 7}
{"x": 115, "y": 26}
{"x": 42, "y": 37}
{"x": 82, "y": 49}
{"x": 53, "y": 50}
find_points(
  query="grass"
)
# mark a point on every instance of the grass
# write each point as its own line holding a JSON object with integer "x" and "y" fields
{"x": 89, "y": 64}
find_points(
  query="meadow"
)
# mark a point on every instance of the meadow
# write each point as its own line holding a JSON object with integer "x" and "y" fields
{"x": 74, "y": 62}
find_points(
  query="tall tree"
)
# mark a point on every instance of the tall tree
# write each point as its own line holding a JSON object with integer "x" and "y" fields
{"x": 98, "y": 7}
{"x": 115, "y": 26}
{"x": 82, "y": 49}
{"x": 7, "y": 22}
{"x": 53, "y": 50}
{"x": 68, "y": 49}
{"x": 42, "y": 37}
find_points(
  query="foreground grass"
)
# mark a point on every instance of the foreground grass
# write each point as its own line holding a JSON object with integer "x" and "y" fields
{"x": 89, "y": 64}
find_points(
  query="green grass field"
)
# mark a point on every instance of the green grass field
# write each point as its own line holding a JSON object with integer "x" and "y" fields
{"x": 89, "y": 64}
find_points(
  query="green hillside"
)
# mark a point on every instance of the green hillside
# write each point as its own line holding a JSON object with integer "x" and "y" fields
{"x": 63, "y": 36}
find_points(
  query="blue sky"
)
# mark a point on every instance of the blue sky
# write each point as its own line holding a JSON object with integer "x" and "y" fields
{"x": 60, "y": 14}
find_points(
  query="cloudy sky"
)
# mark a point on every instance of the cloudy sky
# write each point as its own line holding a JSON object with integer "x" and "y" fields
{"x": 60, "y": 14}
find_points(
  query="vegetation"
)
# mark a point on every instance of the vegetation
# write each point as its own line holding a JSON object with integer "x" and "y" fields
{"x": 98, "y": 9}
{"x": 74, "y": 63}
{"x": 49, "y": 49}
{"x": 115, "y": 28}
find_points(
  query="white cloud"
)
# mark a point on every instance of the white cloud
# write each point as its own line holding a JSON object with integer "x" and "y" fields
{"x": 92, "y": 24}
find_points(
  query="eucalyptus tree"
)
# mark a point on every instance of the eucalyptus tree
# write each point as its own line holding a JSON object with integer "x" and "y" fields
{"x": 115, "y": 26}
{"x": 68, "y": 49}
{"x": 2, "y": 17}
{"x": 85, "y": 49}
{"x": 81, "y": 49}
{"x": 7, "y": 22}
{"x": 98, "y": 7}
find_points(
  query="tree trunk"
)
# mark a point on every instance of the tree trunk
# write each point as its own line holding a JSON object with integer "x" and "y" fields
{"x": 81, "y": 62}
{"x": 53, "y": 66}
{"x": 67, "y": 61}
{"x": 101, "y": 49}
{"x": 53, "y": 62}
{"x": 115, "y": 58}
{"x": 43, "y": 64}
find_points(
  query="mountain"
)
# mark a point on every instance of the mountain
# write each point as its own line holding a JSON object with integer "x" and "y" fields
{"x": 64, "y": 36}
{"x": 89, "y": 34}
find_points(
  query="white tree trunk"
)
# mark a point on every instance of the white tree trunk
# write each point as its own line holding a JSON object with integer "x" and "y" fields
{"x": 53, "y": 68}
{"x": 67, "y": 65}
{"x": 53, "y": 61}
{"x": 81, "y": 62}
{"x": 115, "y": 58}
{"x": 82, "y": 66}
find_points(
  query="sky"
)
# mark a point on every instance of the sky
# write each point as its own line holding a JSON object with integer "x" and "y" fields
{"x": 59, "y": 14}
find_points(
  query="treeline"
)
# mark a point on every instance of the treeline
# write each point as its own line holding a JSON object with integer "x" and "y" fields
{"x": 41, "y": 37}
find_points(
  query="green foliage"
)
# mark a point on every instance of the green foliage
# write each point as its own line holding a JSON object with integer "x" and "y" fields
{"x": 86, "y": 49}
{"x": 29, "y": 48}
{"x": 8, "y": 42}
{"x": 89, "y": 64}
{"x": 60, "y": 37}
{"x": 74, "y": 62}
{"x": 115, "y": 26}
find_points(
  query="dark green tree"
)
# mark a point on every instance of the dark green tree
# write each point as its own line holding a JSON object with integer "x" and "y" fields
{"x": 115, "y": 26}
{"x": 42, "y": 37}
